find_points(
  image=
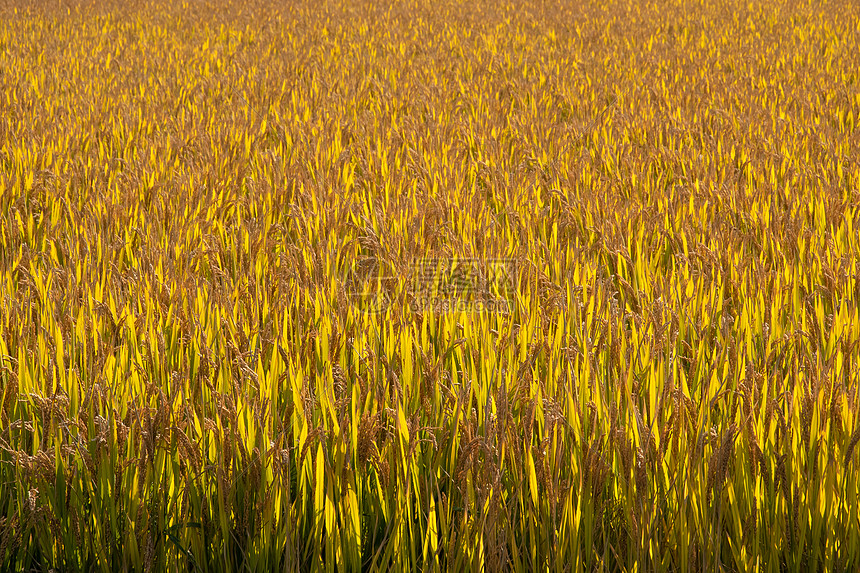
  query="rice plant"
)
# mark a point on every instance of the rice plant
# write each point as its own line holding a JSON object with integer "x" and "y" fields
{"x": 428, "y": 286}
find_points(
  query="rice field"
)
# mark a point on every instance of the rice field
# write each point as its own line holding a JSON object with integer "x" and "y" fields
{"x": 430, "y": 286}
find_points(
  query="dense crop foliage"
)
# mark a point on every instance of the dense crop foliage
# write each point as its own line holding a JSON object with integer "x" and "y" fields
{"x": 190, "y": 195}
